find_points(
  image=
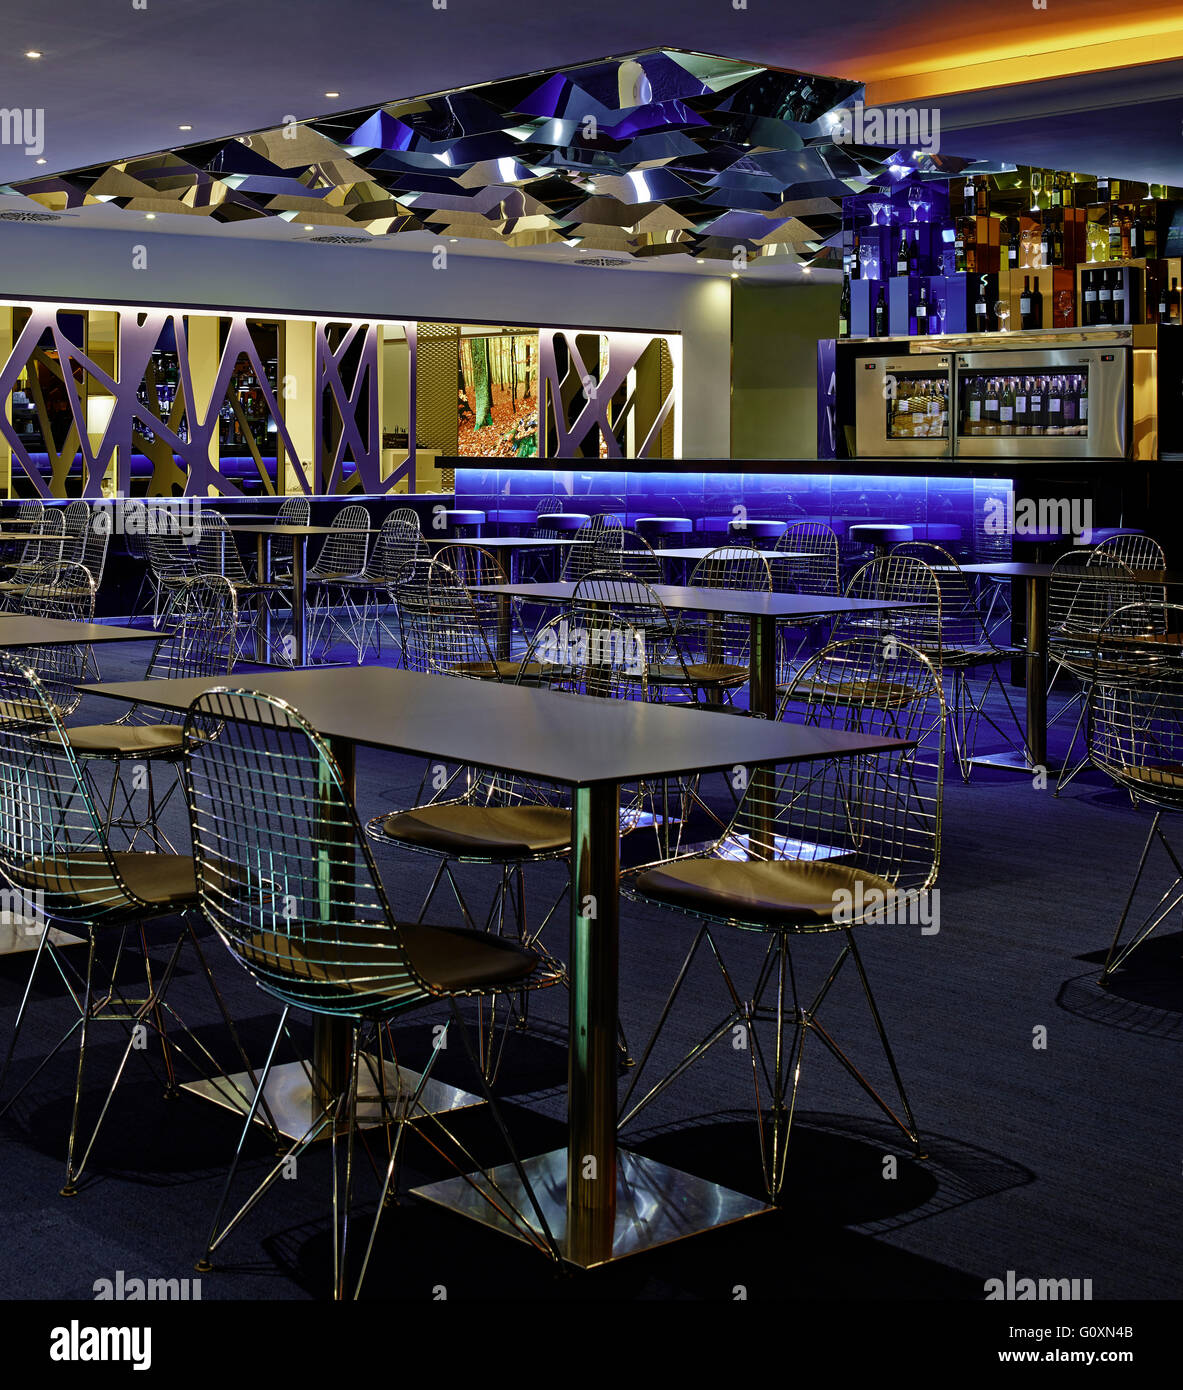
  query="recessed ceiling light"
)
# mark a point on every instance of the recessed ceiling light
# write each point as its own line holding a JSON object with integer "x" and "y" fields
{"x": 184, "y": 127}
{"x": 453, "y": 239}
{"x": 805, "y": 269}
{"x": 151, "y": 216}
{"x": 41, "y": 161}
{"x": 332, "y": 94}
{"x": 33, "y": 53}
{"x": 735, "y": 275}
{"x": 308, "y": 227}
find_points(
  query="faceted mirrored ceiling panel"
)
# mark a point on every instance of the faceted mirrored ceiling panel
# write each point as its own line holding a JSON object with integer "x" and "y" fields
{"x": 656, "y": 154}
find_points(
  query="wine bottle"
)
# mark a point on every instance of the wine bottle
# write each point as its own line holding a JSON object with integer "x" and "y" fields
{"x": 1137, "y": 236}
{"x": 1082, "y": 405}
{"x": 1055, "y": 416}
{"x": 1022, "y": 386}
{"x": 844, "y": 309}
{"x": 922, "y": 312}
{"x": 990, "y": 407}
{"x": 1119, "y": 300}
{"x": 1173, "y": 301}
{"x": 1114, "y": 235}
{"x": 1035, "y": 405}
{"x": 973, "y": 403}
{"x": 1006, "y": 407}
{"x": 1090, "y": 297}
{"x": 880, "y": 315}
{"x": 1045, "y": 243}
{"x": 982, "y": 309}
{"x": 901, "y": 256}
{"x": 855, "y": 269}
{"x": 1025, "y": 304}
{"x": 1068, "y": 405}
{"x": 1104, "y": 300}
{"x": 1012, "y": 243}
{"x": 1164, "y": 304}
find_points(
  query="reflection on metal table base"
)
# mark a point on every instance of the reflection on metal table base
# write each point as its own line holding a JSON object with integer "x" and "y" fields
{"x": 1013, "y": 761}
{"x": 295, "y": 1109}
{"x": 654, "y": 1204}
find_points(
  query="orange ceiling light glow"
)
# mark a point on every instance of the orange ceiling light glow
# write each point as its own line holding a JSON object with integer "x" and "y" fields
{"x": 937, "y": 70}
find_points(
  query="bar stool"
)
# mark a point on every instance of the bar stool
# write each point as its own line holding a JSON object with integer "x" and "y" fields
{"x": 460, "y": 519}
{"x": 757, "y": 530}
{"x": 657, "y": 529}
{"x": 513, "y": 520}
{"x": 880, "y": 535}
{"x": 564, "y": 522}
{"x": 937, "y": 531}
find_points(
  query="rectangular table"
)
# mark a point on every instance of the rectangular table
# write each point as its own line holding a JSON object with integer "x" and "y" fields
{"x": 604, "y": 1204}
{"x": 763, "y": 611}
{"x": 1036, "y": 577}
{"x": 514, "y": 545}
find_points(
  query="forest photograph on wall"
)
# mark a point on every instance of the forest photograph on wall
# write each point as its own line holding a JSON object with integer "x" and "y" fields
{"x": 498, "y": 395}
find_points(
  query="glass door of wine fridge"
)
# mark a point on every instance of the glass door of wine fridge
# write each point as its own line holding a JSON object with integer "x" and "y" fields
{"x": 1053, "y": 403}
{"x": 902, "y": 407}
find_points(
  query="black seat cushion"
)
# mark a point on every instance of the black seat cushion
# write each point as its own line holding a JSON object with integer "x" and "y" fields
{"x": 132, "y": 740}
{"x": 507, "y": 831}
{"x": 81, "y": 879}
{"x": 781, "y": 892}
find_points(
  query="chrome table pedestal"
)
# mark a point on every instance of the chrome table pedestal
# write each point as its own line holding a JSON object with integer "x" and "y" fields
{"x": 654, "y": 1204}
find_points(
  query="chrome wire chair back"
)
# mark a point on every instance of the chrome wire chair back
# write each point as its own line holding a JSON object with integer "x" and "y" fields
{"x": 344, "y": 552}
{"x": 597, "y": 545}
{"x": 632, "y": 603}
{"x": 441, "y": 628}
{"x": 399, "y": 543}
{"x": 592, "y": 650}
{"x": 75, "y": 525}
{"x": 295, "y": 510}
{"x": 547, "y": 507}
{"x": 814, "y": 566}
{"x": 1132, "y": 548}
{"x": 47, "y": 548}
{"x": 287, "y": 880}
{"x": 68, "y": 595}
{"x": 1087, "y": 594}
{"x": 719, "y": 641}
{"x": 909, "y": 581}
{"x": 1135, "y": 736}
{"x": 819, "y": 847}
{"x": 638, "y": 558}
{"x": 217, "y": 551}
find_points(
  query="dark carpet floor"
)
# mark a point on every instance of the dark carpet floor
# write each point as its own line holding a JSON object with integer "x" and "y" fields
{"x": 1055, "y": 1160}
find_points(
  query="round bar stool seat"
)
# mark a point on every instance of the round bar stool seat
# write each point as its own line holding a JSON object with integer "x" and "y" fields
{"x": 757, "y": 530}
{"x": 881, "y": 535}
{"x": 656, "y": 529}
{"x": 563, "y": 521}
{"x": 1106, "y": 533}
{"x": 458, "y": 518}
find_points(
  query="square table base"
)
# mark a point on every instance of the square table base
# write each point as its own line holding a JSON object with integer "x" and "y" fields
{"x": 16, "y": 938}
{"x": 295, "y": 1109}
{"x": 1012, "y": 761}
{"x": 654, "y": 1204}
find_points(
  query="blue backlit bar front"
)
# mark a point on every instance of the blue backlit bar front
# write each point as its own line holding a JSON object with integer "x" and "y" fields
{"x": 962, "y": 507}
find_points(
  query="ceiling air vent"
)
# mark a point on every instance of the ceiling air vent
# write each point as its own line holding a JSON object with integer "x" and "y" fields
{"x": 341, "y": 239}
{"x": 30, "y": 217}
{"x": 604, "y": 262}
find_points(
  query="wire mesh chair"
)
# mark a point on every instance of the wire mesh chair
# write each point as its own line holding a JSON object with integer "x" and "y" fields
{"x": 1086, "y": 590}
{"x": 55, "y": 855}
{"x": 334, "y": 580}
{"x": 597, "y": 545}
{"x": 819, "y": 847}
{"x": 399, "y": 543}
{"x": 293, "y": 511}
{"x": 718, "y": 645}
{"x": 1135, "y": 736}
{"x": 638, "y": 558}
{"x": 218, "y": 554}
{"x": 172, "y": 554}
{"x": 39, "y": 562}
{"x": 200, "y": 620}
{"x": 286, "y": 879}
{"x": 810, "y": 565}
{"x": 443, "y": 631}
{"x": 965, "y": 648}
{"x": 68, "y": 595}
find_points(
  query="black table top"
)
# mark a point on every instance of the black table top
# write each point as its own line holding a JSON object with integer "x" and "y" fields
{"x": 731, "y": 601}
{"x": 574, "y": 740}
{"x": 1021, "y": 569}
{"x": 502, "y": 542}
{"x": 24, "y": 630}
